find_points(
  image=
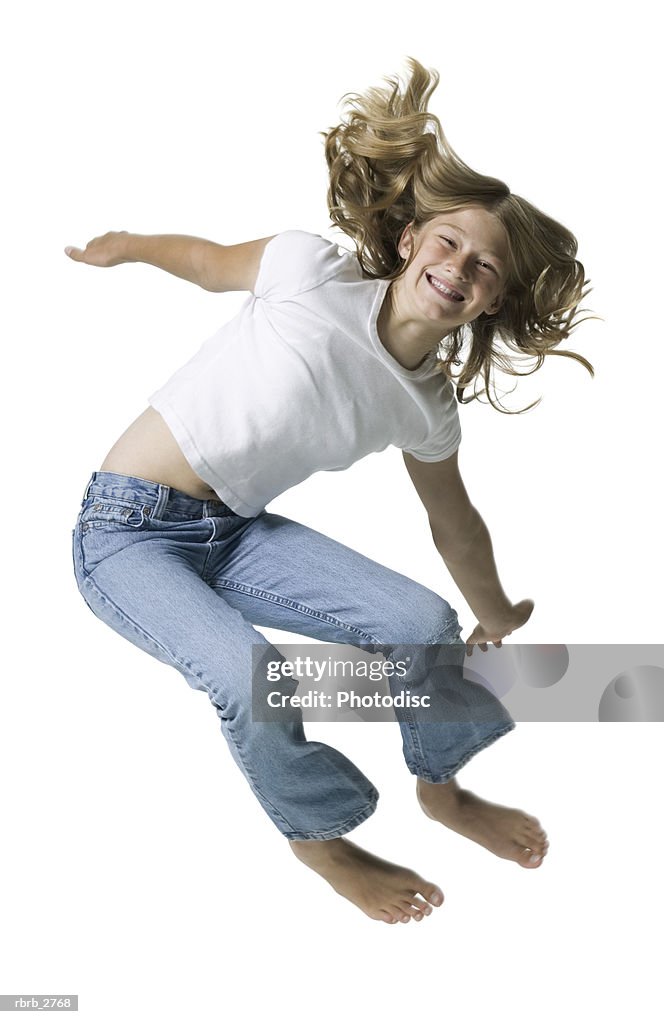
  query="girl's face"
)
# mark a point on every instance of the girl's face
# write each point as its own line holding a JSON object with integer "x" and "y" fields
{"x": 459, "y": 269}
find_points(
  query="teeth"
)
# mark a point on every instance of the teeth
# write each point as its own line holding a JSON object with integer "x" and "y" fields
{"x": 446, "y": 291}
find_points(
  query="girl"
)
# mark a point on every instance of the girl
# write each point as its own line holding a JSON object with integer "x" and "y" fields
{"x": 332, "y": 356}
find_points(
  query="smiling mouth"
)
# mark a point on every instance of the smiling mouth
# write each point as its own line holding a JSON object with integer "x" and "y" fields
{"x": 445, "y": 289}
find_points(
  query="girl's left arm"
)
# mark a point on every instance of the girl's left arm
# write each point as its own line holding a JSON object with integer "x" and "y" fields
{"x": 464, "y": 543}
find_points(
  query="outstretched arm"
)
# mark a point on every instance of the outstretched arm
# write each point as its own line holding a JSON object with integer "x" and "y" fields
{"x": 214, "y": 267}
{"x": 463, "y": 541}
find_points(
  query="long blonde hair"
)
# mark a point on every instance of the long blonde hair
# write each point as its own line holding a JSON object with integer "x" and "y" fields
{"x": 390, "y": 165}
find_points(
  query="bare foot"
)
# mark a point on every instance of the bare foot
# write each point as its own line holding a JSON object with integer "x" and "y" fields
{"x": 505, "y": 831}
{"x": 384, "y": 891}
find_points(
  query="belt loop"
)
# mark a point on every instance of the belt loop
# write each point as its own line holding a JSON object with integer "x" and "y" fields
{"x": 87, "y": 489}
{"x": 162, "y": 500}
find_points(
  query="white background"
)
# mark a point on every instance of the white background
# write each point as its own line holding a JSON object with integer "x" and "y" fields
{"x": 137, "y": 869}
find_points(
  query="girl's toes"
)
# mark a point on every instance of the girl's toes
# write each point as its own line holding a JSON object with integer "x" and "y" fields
{"x": 412, "y": 911}
{"x": 422, "y": 906}
{"x": 432, "y": 894}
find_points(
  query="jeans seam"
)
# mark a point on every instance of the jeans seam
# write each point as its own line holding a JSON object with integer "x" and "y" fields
{"x": 266, "y": 595}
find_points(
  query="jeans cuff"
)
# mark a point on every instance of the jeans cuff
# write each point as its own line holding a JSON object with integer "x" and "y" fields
{"x": 340, "y": 830}
{"x": 451, "y": 772}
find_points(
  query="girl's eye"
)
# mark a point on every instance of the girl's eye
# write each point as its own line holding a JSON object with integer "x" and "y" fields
{"x": 481, "y": 263}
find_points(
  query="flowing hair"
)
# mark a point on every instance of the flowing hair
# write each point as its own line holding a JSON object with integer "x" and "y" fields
{"x": 390, "y": 165}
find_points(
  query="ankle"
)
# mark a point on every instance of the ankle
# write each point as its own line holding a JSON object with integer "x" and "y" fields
{"x": 316, "y": 848}
{"x": 440, "y": 791}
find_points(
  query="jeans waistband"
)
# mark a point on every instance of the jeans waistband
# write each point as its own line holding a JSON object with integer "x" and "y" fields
{"x": 158, "y": 497}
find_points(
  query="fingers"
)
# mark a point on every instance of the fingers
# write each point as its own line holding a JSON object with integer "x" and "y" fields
{"x": 470, "y": 643}
{"x": 103, "y": 251}
{"x": 87, "y": 254}
{"x": 481, "y": 637}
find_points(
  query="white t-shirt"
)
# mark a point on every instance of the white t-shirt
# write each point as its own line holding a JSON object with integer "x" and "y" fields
{"x": 299, "y": 381}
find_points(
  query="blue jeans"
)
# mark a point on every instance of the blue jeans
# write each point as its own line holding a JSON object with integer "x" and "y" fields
{"x": 185, "y": 579}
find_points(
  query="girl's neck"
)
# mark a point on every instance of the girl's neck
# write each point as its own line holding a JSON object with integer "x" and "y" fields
{"x": 403, "y": 336}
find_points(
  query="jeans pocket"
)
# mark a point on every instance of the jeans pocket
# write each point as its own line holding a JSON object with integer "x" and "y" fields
{"x": 100, "y": 512}
{"x": 104, "y": 526}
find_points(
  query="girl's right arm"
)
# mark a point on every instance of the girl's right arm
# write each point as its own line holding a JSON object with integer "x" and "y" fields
{"x": 214, "y": 267}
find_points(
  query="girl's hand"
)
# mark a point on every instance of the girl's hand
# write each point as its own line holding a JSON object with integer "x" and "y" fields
{"x": 519, "y": 615}
{"x": 106, "y": 251}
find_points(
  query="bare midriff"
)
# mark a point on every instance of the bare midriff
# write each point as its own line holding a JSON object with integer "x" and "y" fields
{"x": 148, "y": 450}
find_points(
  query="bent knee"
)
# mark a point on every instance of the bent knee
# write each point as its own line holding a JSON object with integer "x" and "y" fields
{"x": 424, "y": 618}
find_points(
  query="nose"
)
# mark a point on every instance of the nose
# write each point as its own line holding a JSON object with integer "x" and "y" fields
{"x": 456, "y": 266}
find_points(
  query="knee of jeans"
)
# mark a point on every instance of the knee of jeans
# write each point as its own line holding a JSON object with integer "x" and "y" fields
{"x": 448, "y": 628}
{"x": 426, "y": 618}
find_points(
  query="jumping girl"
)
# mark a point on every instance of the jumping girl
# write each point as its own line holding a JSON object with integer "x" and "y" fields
{"x": 335, "y": 354}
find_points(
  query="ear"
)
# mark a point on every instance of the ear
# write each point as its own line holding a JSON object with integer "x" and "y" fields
{"x": 406, "y": 241}
{"x": 496, "y": 304}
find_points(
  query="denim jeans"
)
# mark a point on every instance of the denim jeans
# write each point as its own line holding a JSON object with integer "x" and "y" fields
{"x": 184, "y": 580}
